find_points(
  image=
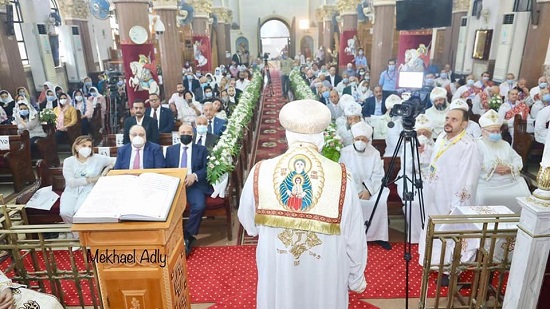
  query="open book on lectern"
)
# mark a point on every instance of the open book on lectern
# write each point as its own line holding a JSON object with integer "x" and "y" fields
{"x": 144, "y": 197}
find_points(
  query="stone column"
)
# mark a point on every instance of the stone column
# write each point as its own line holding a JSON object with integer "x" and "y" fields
{"x": 12, "y": 74}
{"x": 382, "y": 39}
{"x": 131, "y": 13}
{"x": 324, "y": 17}
{"x": 530, "y": 254}
{"x": 225, "y": 18}
{"x": 171, "y": 57}
{"x": 348, "y": 15}
{"x": 75, "y": 12}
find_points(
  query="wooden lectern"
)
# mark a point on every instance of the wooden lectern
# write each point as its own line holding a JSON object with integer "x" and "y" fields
{"x": 141, "y": 264}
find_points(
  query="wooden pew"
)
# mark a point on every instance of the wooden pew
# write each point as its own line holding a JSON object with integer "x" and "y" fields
{"x": 112, "y": 152}
{"x": 47, "y": 176}
{"x": 74, "y": 131}
{"x": 96, "y": 123}
{"x": 17, "y": 161}
{"x": 47, "y": 146}
{"x": 523, "y": 141}
{"x": 8, "y": 129}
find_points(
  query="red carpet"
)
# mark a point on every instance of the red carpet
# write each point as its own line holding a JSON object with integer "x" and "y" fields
{"x": 227, "y": 276}
{"x": 62, "y": 263}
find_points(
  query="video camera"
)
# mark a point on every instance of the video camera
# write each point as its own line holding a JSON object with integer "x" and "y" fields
{"x": 114, "y": 78}
{"x": 408, "y": 111}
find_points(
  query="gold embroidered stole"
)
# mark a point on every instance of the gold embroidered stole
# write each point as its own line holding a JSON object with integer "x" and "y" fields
{"x": 300, "y": 190}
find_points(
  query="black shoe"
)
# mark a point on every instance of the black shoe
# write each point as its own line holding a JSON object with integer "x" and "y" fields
{"x": 50, "y": 235}
{"x": 189, "y": 245}
{"x": 444, "y": 280}
{"x": 384, "y": 244}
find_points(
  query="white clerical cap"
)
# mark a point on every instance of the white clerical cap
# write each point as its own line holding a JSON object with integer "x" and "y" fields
{"x": 490, "y": 118}
{"x": 392, "y": 100}
{"x": 305, "y": 116}
{"x": 353, "y": 109}
{"x": 438, "y": 93}
{"x": 459, "y": 104}
{"x": 242, "y": 68}
{"x": 361, "y": 129}
{"x": 345, "y": 101}
{"x": 423, "y": 122}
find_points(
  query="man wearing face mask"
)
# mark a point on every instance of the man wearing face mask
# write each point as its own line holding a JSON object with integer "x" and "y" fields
{"x": 544, "y": 101}
{"x": 500, "y": 181}
{"x": 443, "y": 81}
{"x": 202, "y": 136}
{"x": 336, "y": 110}
{"x": 360, "y": 59}
{"x": 350, "y": 71}
{"x": 139, "y": 153}
{"x": 307, "y": 206}
{"x": 200, "y": 93}
{"x": 437, "y": 112}
{"x": 388, "y": 79}
{"x": 423, "y": 127}
{"x": 484, "y": 82}
{"x": 208, "y": 95}
{"x": 352, "y": 115}
{"x": 467, "y": 91}
{"x": 343, "y": 84}
{"x": 425, "y": 91}
{"x": 352, "y": 90}
{"x": 190, "y": 82}
{"x": 193, "y": 157}
{"x": 149, "y": 124}
{"x": 215, "y": 125}
{"x": 543, "y": 84}
{"x": 367, "y": 169}
{"x": 509, "y": 83}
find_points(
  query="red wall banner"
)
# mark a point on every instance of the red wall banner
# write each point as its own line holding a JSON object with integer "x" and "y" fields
{"x": 202, "y": 53}
{"x": 348, "y": 47}
{"x": 140, "y": 71}
{"x": 414, "y": 50}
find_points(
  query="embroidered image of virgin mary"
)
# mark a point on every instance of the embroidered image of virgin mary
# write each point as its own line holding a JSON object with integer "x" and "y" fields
{"x": 295, "y": 190}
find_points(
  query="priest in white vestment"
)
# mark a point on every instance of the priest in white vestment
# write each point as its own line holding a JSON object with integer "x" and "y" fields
{"x": 393, "y": 132}
{"x": 14, "y": 295}
{"x": 352, "y": 115}
{"x": 473, "y": 129}
{"x": 305, "y": 209}
{"x": 367, "y": 169}
{"x": 541, "y": 125}
{"x": 423, "y": 128}
{"x": 453, "y": 173}
{"x": 439, "y": 109}
{"x": 500, "y": 180}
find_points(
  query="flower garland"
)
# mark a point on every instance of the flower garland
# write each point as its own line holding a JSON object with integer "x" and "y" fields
{"x": 495, "y": 102}
{"x": 333, "y": 141}
{"x": 220, "y": 160}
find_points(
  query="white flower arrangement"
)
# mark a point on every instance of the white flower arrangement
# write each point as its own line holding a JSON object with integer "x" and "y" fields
{"x": 220, "y": 160}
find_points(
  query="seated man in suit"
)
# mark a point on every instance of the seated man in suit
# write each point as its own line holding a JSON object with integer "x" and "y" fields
{"x": 203, "y": 137}
{"x": 149, "y": 124}
{"x": 163, "y": 115}
{"x": 215, "y": 125}
{"x": 193, "y": 157}
{"x": 140, "y": 153}
{"x": 374, "y": 106}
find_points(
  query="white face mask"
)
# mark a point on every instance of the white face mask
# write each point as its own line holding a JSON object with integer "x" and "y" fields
{"x": 78, "y": 98}
{"x": 62, "y": 101}
{"x": 422, "y": 139}
{"x": 360, "y": 145}
{"x": 85, "y": 151}
{"x": 138, "y": 141}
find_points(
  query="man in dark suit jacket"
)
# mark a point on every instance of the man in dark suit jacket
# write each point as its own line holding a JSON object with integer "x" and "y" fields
{"x": 202, "y": 136}
{"x": 237, "y": 57}
{"x": 140, "y": 153}
{"x": 196, "y": 184}
{"x": 369, "y": 107}
{"x": 332, "y": 77}
{"x": 215, "y": 125}
{"x": 149, "y": 124}
{"x": 190, "y": 82}
{"x": 163, "y": 115}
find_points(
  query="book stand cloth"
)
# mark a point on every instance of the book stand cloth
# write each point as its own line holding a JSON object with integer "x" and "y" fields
{"x": 141, "y": 264}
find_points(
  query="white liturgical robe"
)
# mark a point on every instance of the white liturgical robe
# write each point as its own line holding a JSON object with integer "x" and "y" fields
{"x": 437, "y": 118}
{"x": 367, "y": 170}
{"x": 323, "y": 275}
{"x": 453, "y": 177}
{"x": 392, "y": 137}
{"x": 495, "y": 189}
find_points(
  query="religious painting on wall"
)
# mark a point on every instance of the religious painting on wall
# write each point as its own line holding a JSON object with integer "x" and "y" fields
{"x": 241, "y": 44}
{"x": 414, "y": 50}
{"x": 139, "y": 62}
{"x": 202, "y": 53}
{"x": 306, "y": 46}
{"x": 348, "y": 47}
{"x": 482, "y": 44}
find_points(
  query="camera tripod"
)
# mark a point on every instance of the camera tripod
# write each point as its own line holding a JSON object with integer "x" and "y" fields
{"x": 411, "y": 184}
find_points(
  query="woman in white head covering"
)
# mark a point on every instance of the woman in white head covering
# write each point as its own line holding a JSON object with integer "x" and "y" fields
{"x": 47, "y": 86}
{"x": 26, "y": 117}
{"x": 500, "y": 181}
{"x": 50, "y": 101}
{"x": 6, "y": 104}
{"x": 95, "y": 98}
{"x": 364, "y": 91}
{"x": 86, "y": 109}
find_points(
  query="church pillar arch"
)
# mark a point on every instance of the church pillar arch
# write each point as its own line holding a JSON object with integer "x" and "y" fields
{"x": 171, "y": 53}
{"x": 383, "y": 36}
{"x": 225, "y": 18}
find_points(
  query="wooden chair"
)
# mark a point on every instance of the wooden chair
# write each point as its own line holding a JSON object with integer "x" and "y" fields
{"x": 523, "y": 141}
{"x": 165, "y": 139}
{"x": 74, "y": 131}
{"x": 380, "y": 145}
{"x": 47, "y": 145}
{"x": 111, "y": 153}
{"x": 394, "y": 201}
{"x": 47, "y": 176}
{"x": 17, "y": 161}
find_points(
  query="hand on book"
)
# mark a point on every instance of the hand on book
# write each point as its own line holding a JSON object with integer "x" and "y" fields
{"x": 92, "y": 179}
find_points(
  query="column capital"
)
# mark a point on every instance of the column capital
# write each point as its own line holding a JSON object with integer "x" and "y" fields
{"x": 203, "y": 8}
{"x": 74, "y": 9}
{"x": 165, "y": 4}
{"x": 461, "y": 6}
{"x": 224, "y": 15}
{"x": 383, "y": 2}
{"x": 347, "y": 7}
{"x": 324, "y": 13}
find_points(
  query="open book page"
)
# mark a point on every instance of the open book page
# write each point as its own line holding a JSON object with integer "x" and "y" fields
{"x": 151, "y": 198}
{"x": 104, "y": 202}
{"x": 43, "y": 199}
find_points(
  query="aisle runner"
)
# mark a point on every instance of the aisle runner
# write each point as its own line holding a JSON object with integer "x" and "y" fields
{"x": 227, "y": 275}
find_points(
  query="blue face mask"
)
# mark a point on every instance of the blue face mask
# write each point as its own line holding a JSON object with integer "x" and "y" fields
{"x": 443, "y": 75}
{"x": 208, "y": 94}
{"x": 543, "y": 85}
{"x": 546, "y": 97}
{"x": 50, "y": 98}
{"x": 95, "y": 94}
{"x": 24, "y": 113}
{"x": 22, "y": 93}
{"x": 88, "y": 84}
{"x": 345, "y": 80}
{"x": 326, "y": 94}
{"x": 189, "y": 77}
{"x": 204, "y": 85}
{"x": 202, "y": 129}
{"x": 429, "y": 81}
{"x": 470, "y": 82}
{"x": 495, "y": 137}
